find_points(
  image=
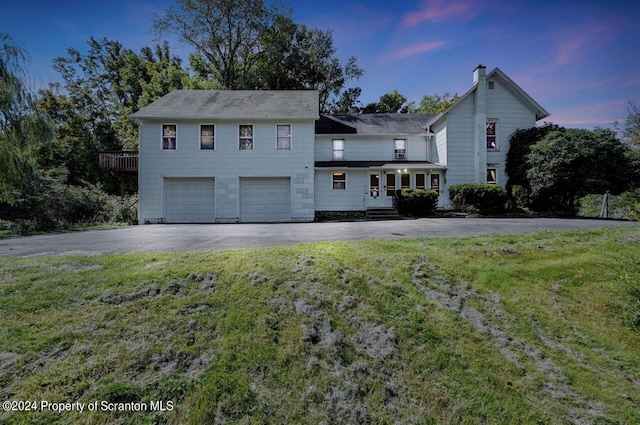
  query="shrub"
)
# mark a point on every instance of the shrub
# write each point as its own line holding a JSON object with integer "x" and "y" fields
{"x": 478, "y": 197}
{"x": 51, "y": 204}
{"x": 416, "y": 202}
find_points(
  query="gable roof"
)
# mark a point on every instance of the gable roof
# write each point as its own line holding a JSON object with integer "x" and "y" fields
{"x": 510, "y": 85}
{"x": 233, "y": 104}
{"x": 373, "y": 124}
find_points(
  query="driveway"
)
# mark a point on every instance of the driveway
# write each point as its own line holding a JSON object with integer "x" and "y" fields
{"x": 192, "y": 237}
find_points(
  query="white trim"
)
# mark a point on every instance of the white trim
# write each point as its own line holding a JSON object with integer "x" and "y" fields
{"x": 253, "y": 138}
{"x": 290, "y": 137}
{"x": 200, "y": 136}
{"x": 345, "y": 180}
{"x": 162, "y": 137}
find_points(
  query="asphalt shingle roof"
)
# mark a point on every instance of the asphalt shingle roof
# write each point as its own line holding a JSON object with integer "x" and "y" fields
{"x": 373, "y": 124}
{"x": 233, "y": 104}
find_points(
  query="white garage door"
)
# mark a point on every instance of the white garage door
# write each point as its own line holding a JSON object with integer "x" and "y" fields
{"x": 265, "y": 199}
{"x": 190, "y": 200}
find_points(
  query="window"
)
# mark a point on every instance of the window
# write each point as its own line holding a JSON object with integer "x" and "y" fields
{"x": 400, "y": 149}
{"x": 338, "y": 150}
{"x": 492, "y": 141}
{"x": 420, "y": 181}
{"x": 405, "y": 181}
{"x": 391, "y": 184}
{"x": 206, "y": 136}
{"x": 374, "y": 185}
{"x": 435, "y": 182}
{"x": 339, "y": 181}
{"x": 492, "y": 176}
{"x": 246, "y": 137}
{"x": 284, "y": 137}
{"x": 492, "y": 85}
{"x": 169, "y": 136}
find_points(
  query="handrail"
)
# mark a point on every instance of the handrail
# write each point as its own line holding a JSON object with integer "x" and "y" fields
{"x": 121, "y": 161}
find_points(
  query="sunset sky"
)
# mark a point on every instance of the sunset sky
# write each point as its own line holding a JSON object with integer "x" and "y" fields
{"x": 579, "y": 59}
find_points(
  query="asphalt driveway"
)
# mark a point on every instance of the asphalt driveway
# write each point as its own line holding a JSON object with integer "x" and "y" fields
{"x": 192, "y": 237}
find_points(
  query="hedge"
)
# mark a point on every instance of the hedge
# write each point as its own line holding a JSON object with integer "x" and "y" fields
{"x": 416, "y": 202}
{"x": 478, "y": 197}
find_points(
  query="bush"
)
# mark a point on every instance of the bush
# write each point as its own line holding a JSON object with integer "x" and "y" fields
{"x": 51, "y": 204}
{"x": 478, "y": 197}
{"x": 416, "y": 202}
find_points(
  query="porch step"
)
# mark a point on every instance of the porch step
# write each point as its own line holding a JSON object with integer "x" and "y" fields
{"x": 382, "y": 214}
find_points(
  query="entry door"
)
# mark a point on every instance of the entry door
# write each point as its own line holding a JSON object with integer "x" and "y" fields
{"x": 375, "y": 191}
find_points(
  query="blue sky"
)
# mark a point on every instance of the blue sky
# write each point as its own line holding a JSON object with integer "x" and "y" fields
{"x": 579, "y": 59}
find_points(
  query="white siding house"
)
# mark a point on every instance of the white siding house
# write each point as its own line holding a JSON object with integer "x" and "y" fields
{"x": 259, "y": 156}
{"x": 227, "y": 156}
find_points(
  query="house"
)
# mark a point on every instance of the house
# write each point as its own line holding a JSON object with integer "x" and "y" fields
{"x": 261, "y": 156}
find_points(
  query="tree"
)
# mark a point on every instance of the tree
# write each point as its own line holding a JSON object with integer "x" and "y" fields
{"x": 520, "y": 144}
{"x": 436, "y": 103}
{"x": 631, "y": 132}
{"x": 567, "y": 165}
{"x": 226, "y": 32}
{"x": 390, "y": 103}
{"x": 245, "y": 45}
{"x": 22, "y": 128}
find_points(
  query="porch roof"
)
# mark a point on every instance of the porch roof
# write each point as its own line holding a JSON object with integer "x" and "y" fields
{"x": 383, "y": 165}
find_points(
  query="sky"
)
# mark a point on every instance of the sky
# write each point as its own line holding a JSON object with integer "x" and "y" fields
{"x": 579, "y": 59}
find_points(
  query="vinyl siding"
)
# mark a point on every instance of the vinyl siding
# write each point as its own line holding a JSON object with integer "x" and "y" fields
{"x": 370, "y": 148}
{"x": 226, "y": 163}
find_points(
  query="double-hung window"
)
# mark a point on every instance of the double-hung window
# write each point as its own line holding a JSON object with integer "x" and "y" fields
{"x": 339, "y": 181}
{"x": 245, "y": 138}
{"x": 338, "y": 150}
{"x": 400, "y": 149}
{"x": 492, "y": 135}
{"x": 207, "y": 132}
{"x": 284, "y": 137}
{"x": 169, "y": 136}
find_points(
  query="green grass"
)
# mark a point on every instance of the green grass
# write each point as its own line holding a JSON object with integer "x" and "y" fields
{"x": 539, "y": 329}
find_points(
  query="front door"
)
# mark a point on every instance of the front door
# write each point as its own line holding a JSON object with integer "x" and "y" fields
{"x": 375, "y": 196}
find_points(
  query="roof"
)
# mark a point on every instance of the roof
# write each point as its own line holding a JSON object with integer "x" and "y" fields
{"x": 373, "y": 124}
{"x": 387, "y": 165}
{"x": 510, "y": 84}
{"x": 233, "y": 104}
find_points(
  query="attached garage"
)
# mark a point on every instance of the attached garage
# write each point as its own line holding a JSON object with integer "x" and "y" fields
{"x": 265, "y": 199}
{"x": 190, "y": 200}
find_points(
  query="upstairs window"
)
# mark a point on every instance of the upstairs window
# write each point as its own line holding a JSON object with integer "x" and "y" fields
{"x": 207, "y": 137}
{"x": 169, "y": 136}
{"x": 492, "y": 140}
{"x": 400, "y": 149}
{"x": 339, "y": 181}
{"x": 284, "y": 136}
{"x": 245, "y": 137}
{"x": 338, "y": 150}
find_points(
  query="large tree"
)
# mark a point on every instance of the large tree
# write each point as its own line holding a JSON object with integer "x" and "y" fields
{"x": 100, "y": 88}
{"x": 22, "y": 128}
{"x": 567, "y": 165}
{"x": 247, "y": 45}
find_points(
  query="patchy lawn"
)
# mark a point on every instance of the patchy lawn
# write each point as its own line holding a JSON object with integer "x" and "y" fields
{"x": 540, "y": 328}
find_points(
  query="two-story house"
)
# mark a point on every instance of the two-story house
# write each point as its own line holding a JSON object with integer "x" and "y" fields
{"x": 260, "y": 156}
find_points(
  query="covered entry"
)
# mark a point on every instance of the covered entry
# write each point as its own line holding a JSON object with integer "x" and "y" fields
{"x": 265, "y": 199}
{"x": 190, "y": 200}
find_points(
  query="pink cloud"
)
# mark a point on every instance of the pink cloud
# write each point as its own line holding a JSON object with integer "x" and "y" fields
{"x": 440, "y": 10}
{"x": 601, "y": 113}
{"x": 414, "y": 50}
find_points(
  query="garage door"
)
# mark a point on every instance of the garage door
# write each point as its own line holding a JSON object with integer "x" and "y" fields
{"x": 190, "y": 200}
{"x": 265, "y": 199}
